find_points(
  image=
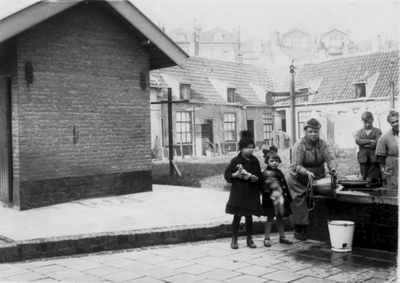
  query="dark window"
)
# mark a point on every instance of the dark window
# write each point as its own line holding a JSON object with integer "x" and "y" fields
{"x": 268, "y": 127}
{"x": 231, "y": 94}
{"x": 184, "y": 91}
{"x": 304, "y": 91}
{"x": 230, "y": 126}
{"x": 360, "y": 90}
{"x": 184, "y": 127}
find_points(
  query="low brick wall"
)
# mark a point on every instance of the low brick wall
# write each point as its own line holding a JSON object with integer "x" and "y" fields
{"x": 53, "y": 191}
{"x": 376, "y": 223}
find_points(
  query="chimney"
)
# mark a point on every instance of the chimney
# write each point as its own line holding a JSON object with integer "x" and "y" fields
{"x": 278, "y": 38}
{"x": 238, "y": 34}
{"x": 321, "y": 51}
{"x": 240, "y": 58}
{"x": 275, "y": 38}
{"x": 376, "y": 43}
{"x": 195, "y": 32}
{"x": 194, "y": 45}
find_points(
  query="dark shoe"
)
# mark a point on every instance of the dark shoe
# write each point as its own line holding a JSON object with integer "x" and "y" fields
{"x": 298, "y": 228}
{"x": 267, "y": 243}
{"x": 250, "y": 243}
{"x": 283, "y": 240}
{"x": 300, "y": 236}
{"x": 234, "y": 243}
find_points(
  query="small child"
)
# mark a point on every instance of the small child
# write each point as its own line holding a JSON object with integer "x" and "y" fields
{"x": 244, "y": 173}
{"x": 276, "y": 197}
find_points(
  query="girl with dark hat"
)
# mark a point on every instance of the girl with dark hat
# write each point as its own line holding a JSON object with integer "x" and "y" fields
{"x": 367, "y": 139}
{"x": 244, "y": 172}
{"x": 309, "y": 155}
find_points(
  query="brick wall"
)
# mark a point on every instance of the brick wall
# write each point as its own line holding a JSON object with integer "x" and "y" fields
{"x": 85, "y": 114}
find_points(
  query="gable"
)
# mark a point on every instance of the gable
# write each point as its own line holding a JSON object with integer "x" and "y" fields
{"x": 164, "y": 51}
{"x": 334, "y": 32}
{"x": 295, "y": 33}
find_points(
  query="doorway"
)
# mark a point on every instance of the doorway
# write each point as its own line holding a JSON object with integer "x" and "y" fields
{"x": 250, "y": 126}
{"x": 5, "y": 140}
{"x": 207, "y": 135}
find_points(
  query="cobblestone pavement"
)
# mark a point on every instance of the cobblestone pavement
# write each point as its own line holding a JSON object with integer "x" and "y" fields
{"x": 212, "y": 261}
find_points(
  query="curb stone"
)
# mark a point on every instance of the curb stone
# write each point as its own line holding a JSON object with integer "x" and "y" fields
{"x": 12, "y": 251}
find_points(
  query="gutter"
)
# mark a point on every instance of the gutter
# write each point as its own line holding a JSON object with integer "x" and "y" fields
{"x": 224, "y": 104}
{"x": 338, "y": 102}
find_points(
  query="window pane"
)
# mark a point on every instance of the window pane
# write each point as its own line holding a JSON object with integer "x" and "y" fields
{"x": 267, "y": 127}
{"x": 230, "y": 126}
{"x": 183, "y": 127}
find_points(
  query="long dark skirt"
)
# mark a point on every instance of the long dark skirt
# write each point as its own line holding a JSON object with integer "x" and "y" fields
{"x": 299, "y": 203}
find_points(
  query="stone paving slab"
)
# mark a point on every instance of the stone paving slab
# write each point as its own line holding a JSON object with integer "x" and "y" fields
{"x": 180, "y": 264}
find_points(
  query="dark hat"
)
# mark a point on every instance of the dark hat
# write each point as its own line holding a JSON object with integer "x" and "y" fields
{"x": 367, "y": 116}
{"x": 312, "y": 123}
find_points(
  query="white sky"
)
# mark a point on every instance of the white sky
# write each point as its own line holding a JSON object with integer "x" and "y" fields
{"x": 364, "y": 18}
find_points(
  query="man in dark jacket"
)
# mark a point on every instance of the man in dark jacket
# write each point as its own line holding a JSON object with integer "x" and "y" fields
{"x": 367, "y": 139}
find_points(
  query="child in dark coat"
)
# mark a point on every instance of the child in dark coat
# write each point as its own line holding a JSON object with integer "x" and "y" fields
{"x": 244, "y": 172}
{"x": 276, "y": 198}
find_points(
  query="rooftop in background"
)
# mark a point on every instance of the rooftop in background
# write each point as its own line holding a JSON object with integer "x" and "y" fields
{"x": 334, "y": 79}
{"x": 200, "y": 72}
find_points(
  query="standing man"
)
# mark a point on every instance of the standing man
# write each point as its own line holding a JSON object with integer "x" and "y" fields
{"x": 387, "y": 151}
{"x": 367, "y": 139}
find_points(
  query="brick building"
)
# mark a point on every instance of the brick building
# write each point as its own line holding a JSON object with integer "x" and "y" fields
{"x": 75, "y": 100}
{"x": 218, "y": 100}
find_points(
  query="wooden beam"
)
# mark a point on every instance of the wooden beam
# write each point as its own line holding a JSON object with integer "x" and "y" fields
{"x": 177, "y": 171}
{"x": 296, "y": 96}
{"x": 285, "y": 94}
{"x": 172, "y": 101}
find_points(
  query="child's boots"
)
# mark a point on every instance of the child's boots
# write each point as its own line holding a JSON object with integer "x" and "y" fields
{"x": 234, "y": 243}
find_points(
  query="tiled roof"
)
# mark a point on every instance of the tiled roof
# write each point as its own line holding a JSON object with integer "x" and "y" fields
{"x": 339, "y": 75}
{"x": 200, "y": 71}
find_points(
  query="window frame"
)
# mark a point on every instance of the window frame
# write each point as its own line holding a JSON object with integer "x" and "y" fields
{"x": 184, "y": 95}
{"x": 231, "y": 94}
{"x": 301, "y": 119}
{"x": 268, "y": 128}
{"x": 183, "y": 127}
{"x": 230, "y": 127}
{"x": 360, "y": 88}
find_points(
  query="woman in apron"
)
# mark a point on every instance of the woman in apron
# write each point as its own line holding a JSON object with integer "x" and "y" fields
{"x": 309, "y": 155}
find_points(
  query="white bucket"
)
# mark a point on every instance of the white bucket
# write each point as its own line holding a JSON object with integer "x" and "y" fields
{"x": 341, "y": 234}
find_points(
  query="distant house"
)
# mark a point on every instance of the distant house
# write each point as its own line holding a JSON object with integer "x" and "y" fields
{"x": 339, "y": 89}
{"x": 75, "y": 100}
{"x": 220, "y": 99}
{"x": 220, "y": 44}
{"x": 253, "y": 49}
{"x": 296, "y": 38}
{"x": 183, "y": 38}
{"x": 214, "y": 44}
{"x": 335, "y": 42}
{"x": 272, "y": 54}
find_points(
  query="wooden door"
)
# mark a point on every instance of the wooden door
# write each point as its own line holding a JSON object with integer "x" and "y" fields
{"x": 250, "y": 127}
{"x": 5, "y": 140}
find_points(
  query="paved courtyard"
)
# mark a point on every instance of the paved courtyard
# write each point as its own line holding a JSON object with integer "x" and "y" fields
{"x": 212, "y": 261}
